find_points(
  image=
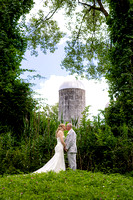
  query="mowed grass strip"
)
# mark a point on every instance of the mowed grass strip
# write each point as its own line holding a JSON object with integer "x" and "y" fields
{"x": 67, "y": 185}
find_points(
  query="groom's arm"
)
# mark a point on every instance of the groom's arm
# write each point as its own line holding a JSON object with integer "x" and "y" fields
{"x": 69, "y": 141}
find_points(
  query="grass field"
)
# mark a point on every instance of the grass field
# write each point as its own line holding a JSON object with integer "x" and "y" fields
{"x": 68, "y": 185}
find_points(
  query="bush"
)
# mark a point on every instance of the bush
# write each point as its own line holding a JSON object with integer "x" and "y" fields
{"x": 98, "y": 148}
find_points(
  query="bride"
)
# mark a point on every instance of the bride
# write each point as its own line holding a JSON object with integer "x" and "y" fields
{"x": 57, "y": 162}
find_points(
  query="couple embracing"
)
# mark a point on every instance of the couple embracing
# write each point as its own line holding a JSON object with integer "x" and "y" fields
{"x": 57, "y": 162}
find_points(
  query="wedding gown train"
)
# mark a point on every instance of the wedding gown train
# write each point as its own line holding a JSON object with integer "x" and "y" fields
{"x": 57, "y": 162}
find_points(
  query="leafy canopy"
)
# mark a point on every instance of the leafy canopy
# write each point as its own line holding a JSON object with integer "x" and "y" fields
{"x": 88, "y": 39}
{"x": 99, "y": 43}
{"x": 15, "y": 95}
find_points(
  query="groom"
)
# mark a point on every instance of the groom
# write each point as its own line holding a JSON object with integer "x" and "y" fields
{"x": 71, "y": 147}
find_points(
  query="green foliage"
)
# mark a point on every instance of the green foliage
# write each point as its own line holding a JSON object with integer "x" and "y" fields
{"x": 34, "y": 147}
{"x": 44, "y": 33}
{"x": 13, "y": 44}
{"x": 26, "y": 157}
{"x": 99, "y": 148}
{"x": 107, "y": 38}
{"x": 27, "y": 137}
{"x": 15, "y": 95}
{"x": 67, "y": 185}
{"x": 85, "y": 21}
{"x": 120, "y": 74}
{"x": 15, "y": 105}
{"x": 118, "y": 114}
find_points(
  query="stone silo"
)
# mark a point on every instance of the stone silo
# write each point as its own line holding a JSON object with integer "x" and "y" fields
{"x": 71, "y": 101}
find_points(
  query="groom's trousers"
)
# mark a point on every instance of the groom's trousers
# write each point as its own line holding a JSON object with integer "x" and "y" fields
{"x": 72, "y": 160}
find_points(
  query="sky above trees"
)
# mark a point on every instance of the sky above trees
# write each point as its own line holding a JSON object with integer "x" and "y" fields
{"x": 49, "y": 67}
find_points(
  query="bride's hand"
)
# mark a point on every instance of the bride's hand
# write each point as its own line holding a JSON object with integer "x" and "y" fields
{"x": 65, "y": 149}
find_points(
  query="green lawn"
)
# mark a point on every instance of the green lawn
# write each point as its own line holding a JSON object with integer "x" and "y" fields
{"x": 67, "y": 185}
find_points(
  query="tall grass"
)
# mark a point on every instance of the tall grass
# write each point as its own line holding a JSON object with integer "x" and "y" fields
{"x": 98, "y": 148}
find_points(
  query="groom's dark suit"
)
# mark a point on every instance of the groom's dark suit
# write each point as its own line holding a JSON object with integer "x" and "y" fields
{"x": 71, "y": 148}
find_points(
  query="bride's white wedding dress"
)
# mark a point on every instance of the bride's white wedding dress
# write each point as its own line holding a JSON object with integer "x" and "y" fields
{"x": 57, "y": 162}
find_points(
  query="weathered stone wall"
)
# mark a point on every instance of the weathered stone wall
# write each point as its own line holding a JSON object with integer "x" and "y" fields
{"x": 71, "y": 104}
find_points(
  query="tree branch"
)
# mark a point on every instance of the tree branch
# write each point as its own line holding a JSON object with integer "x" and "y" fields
{"x": 53, "y": 12}
{"x": 101, "y": 8}
{"x": 91, "y": 6}
{"x": 80, "y": 28}
{"x": 48, "y": 16}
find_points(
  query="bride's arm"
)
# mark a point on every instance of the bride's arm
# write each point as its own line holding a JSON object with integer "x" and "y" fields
{"x": 61, "y": 138}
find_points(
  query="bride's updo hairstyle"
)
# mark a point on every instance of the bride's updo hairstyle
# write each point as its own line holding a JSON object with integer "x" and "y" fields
{"x": 60, "y": 128}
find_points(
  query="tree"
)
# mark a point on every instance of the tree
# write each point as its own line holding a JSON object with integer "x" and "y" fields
{"x": 15, "y": 95}
{"x": 86, "y": 41}
{"x": 101, "y": 30}
{"x": 120, "y": 72}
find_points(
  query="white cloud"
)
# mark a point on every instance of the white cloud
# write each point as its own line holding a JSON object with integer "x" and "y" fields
{"x": 49, "y": 89}
{"x": 96, "y": 92}
{"x": 96, "y": 95}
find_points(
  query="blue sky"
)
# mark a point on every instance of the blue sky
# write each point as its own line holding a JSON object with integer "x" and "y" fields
{"x": 49, "y": 66}
{"x": 45, "y": 64}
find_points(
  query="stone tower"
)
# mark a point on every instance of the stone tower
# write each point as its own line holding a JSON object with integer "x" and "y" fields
{"x": 71, "y": 101}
